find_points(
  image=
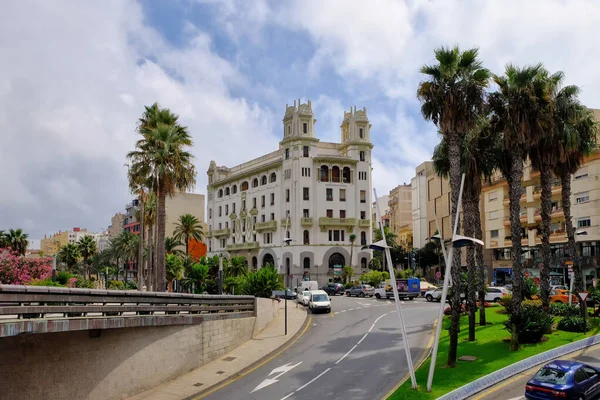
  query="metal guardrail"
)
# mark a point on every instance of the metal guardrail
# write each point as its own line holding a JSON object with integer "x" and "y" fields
{"x": 40, "y": 309}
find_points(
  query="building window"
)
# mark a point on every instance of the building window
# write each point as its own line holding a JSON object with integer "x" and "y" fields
{"x": 287, "y": 195}
{"x": 305, "y": 193}
{"x": 272, "y": 216}
{"x": 227, "y": 191}
{"x": 329, "y": 213}
{"x": 272, "y": 199}
{"x": 582, "y": 197}
{"x": 335, "y": 174}
{"x": 263, "y": 180}
{"x": 254, "y": 202}
{"x": 329, "y": 194}
{"x": 342, "y": 213}
{"x": 306, "y": 262}
{"x": 362, "y": 215}
{"x": 584, "y": 222}
{"x": 306, "y": 172}
{"x": 226, "y": 209}
{"x": 305, "y": 151}
{"x": 363, "y": 263}
{"x": 306, "y": 237}
{"x": 220, "y": 192}
{"x": 336, "y": 235}
{"x": 494, "y": 214}
{"x": 243, "y": 205}
{"x": 363, "y": 238}
{"x": 304, "y": 127}
{"x": 324, "y": 173}
{"x": 287, "y": 154}
{"x": 494, "y": 233}
{"x": 346, "y": 175}
{"x": 210, "y": 213}
{"x": 262, "y": 218}
{"x": 233, "y": 208}
{"x": 219, "y": 211}
{"x": 361, "y": 133}
{"x": 262, "y": 201}
{"x": 342, "y": 194}
{"x": 363, "y": 196}
{"x": 493, "y": 196}
{"x": 244, "y": 186}
{"x": 362, "y": 155}
{"x": 362, "y": 176}
{"x": 255, "y": 182}
{"x": 273, "y": 177}
{"x": 287, "y": 174}
{"x": 234, "y": 189}
{"x": 305, "y": 213}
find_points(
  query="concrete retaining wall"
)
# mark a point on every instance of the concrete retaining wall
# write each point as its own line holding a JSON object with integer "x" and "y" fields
{"x": 119, "y": 362}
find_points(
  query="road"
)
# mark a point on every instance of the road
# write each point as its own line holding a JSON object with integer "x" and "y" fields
{"x": 354, "y": 353}
{"x": 514, "y": 388}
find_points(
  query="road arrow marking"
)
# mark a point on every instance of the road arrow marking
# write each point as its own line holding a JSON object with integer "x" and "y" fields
{"x": 279, "y": 370}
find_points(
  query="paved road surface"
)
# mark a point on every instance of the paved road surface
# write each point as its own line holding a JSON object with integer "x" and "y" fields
{"x": 514, "y": 389}
{"x": 355, "y": 354}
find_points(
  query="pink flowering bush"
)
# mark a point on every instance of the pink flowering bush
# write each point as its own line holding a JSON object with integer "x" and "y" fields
{"x": 18, "y": 270}
{"x": 72, "y": 282}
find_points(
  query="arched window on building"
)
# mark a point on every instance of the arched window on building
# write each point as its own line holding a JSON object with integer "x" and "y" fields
{"x": 263, "y": 180}
{"x": 306, "y": 237}
{"x": 220, "y": 192}
{"x": 255, "y": 182}
{"x": 227, "y": 191}
{"x": 273, "y": 177}
{"x": 244, "y": 186}
{"x": 335, "y": 174}
{"x": 363, "y": 238}
{"x": 306, "y": 262}
{"x": 363, "y": 263}
{"x": 324, "y": 173}
{"x": 234, "y": 189}
{"x": 346, "y": 175}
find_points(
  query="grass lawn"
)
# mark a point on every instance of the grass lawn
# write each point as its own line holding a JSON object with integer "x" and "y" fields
{"x": 491, "y": 352}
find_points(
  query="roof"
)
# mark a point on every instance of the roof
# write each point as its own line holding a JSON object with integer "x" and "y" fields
{"x": 564, "y": 365}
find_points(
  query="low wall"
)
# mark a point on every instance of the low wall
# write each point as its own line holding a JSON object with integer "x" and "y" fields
{"x": 117, "y": 363}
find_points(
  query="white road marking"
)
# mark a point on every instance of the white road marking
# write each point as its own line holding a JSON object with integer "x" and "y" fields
{"x": 281, "y": 370}
{"x": 351, "y": 309}
{"x": 363, "y": 338}
{"x": 312, "y": 380}
{"x": 517, "y": 398}
{"x": 345, "y": 355}
{"x": 362, "y": 304}
{"x": 283, "y": 398}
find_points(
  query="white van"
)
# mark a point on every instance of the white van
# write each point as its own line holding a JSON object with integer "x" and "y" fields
{"x": 319, "y": 301}
{"x": 307, "y": 285}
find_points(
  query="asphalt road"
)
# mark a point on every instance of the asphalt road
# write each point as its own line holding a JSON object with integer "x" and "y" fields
{"x": 356, "y": 353}
{"x": 514, "y": 388}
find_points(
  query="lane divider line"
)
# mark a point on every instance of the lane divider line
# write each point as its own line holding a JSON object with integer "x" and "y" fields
{"x": 312, "y": 380}
{"x": 349, "y": 351}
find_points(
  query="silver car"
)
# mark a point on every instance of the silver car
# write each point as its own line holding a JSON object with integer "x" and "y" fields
{"x": 361, "y": 291}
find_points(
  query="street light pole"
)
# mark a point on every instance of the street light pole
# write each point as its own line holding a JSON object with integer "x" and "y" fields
{"x": 54, "y": 268}
{"x": 220, "y": 273}
{"x": 280, "y": 264}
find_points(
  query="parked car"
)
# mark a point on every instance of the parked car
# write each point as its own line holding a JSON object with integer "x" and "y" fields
{"x": 408, "y": 288}
{"x": 436, "y": 295}
{"x": 495, "y": 294}
{"x": 333, "y": 288}
{"x": 303, "y": 297}
{"x": 562, "y": 296}
{"x": 285, "y": 294}
{"x": 361, "y": 291}
{"x": 562, "y": 379}
{"x": 319, "y": 301}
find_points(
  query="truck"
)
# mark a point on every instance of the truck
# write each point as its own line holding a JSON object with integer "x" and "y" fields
{"x": 307, "y": 285}
{"x": 408, "y": 288}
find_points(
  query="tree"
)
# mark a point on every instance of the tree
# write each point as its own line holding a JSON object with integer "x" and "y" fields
{"x": 236, "y": 266}
{"x": 69, "y": 254}
{"x": 186, "y": 228}
{"x": 171, "y": 246}
{"x": 516, "y": 112}
{"x": 161, "y": 158}
{"x": 17, "y": 240}
{"x": 374, "y": 278}
{"x": 262, "y": 282}
{"x": 348, "y": 273}
{"x": 174, "y": 269}
{"x": 453, "y": 99}
{"x": 4, "y": 240}
{"x": 351, "y": 238}
{"x": 199, "y": 277}
{"x": 87, "y": 248}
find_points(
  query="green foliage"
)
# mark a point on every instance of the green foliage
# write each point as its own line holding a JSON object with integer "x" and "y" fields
{"x": 564, "y": 310}
{"x": 348, "y": 285}
{"x": 263, "y": 282}
{"x": 174, "y": 267}
{"x": 507, "y": 303}
{"x": 236, "y": 266}
{"x": 234, "y": 284}
{"x": 574, "y": 324}
{"x": 199, "y": 276}
{"x": 405, "y": 273}
{"x": 63, "y": 277}
{"x": 375, "y": 264}
{"x": 116, "y": 285}
{"x": 530, "y": 289}
{"x": 44, "y": 282}
{"x": 374, "y": 278}
{"x": 531, "y": 303}
{"x": 84, "y": 283}
{"x": 131, "y": 285}
{"x": 531, "y": 324}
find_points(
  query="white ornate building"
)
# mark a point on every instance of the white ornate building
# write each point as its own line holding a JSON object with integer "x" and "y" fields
{"x": 325, "y": 188}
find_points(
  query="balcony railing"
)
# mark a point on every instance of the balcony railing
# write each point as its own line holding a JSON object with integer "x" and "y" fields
{"x": 306, "y": 221}
{"x": 344, "y": 222}
{"x": 222, "y": 232}
{"x": 364, "y": 223}
{"x": 265, "y": 226}
{"x": 242, "y": 246}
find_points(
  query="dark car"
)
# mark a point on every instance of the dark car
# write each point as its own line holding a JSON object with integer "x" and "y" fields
{"x": 285, "y": 294}
{"x": 333, "y": 288}
{"x": 563, "y": 379}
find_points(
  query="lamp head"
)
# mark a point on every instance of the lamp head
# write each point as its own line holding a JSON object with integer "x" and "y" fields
{"x": 287, "y": 241}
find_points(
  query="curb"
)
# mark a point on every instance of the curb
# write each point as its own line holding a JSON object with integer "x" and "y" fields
{"x": 424, "y": 357}
{"x": 492, "y": 379}
{"x": 255, "y": 364}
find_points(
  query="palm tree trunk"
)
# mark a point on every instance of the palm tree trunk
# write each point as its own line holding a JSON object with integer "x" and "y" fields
{"x": 515, "y": 190}
{"x": 140, "y": 263}
{"x": 187, "y": 245}
{"x": 160, "y": 238}
{"x": 565, "y": 180}
{"x": 455, "y": 173}
{"x": 150, "y": 275}
{"x": 468, "y": 215}
{"x": 546, "y": 211}
{"x": 351, "y": 252}
{"x": 477, "y": 234}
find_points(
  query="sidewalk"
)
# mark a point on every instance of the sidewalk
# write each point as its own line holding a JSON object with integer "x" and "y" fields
{"x": 208, "y": 377}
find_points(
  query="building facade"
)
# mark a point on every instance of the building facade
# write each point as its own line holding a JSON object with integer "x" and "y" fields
{"x": 116, "y": 225}
{"x": 313, "y": 193}
{"x": 420, "y": 224}
{"x": 400, "y": 205}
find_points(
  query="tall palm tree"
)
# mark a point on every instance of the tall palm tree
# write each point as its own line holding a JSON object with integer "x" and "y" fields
{"x": 174, "y": 269}
{"x": 236, "y": 266}
{"x": 17, "y": 240}
{"x": 171, "y": 246}
{"x": 128, "y": 247}
{"x": 70, "y": 255}
{"x": 351, "y": 238}
{"x": 517, "y": 109}
{"x": 576, "y": 134}
{"x": 87, "y": 248}
{"x": 453, "y": 97}
{"x": 161, "y": 157}
{"x": 4, "y": 240}
{"x": 186, "y": 228}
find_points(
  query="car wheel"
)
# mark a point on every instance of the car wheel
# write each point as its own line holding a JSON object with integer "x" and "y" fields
{"x": 410, "y": 298}
{"x": 362, "y": 294}
{"x": 377, "y": 295}
{"x": 348, "y": 294}
{"x": 429, "y": 298}
{"x": 497, "y": 300}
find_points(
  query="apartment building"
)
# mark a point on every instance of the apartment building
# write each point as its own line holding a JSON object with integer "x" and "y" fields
{"x": 400, "y": 204}
{"x": 405, "y": 237}
{"x": 116, "y": 225}
{"x": 420, "y": 224}
{"x": 311, "y": 192}
{"x": 385, "y": 212}
{"x": 50, "y": 245}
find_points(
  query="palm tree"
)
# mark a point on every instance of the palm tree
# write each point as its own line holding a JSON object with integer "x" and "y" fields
{"x": 171, "y": 246}
{"x": 4, "y": 241}
{"x": 188, "y": 227}
{"x": 87, "y": 248}
{"x": 237, "y": 266}
{"x": 174, "y": 269}
{"x": 348, "y": 273}
{"x": 69, "y": 254}
{"x": 543, "y": 158}
{"x": 128, "y": 246}
{"x": 479, "y": 151}
{"x": 351, "y": 238}
{"x": 160, "y": 157}
{"x": 516, "y": 112}
{"x": 17, "y": 240}
{"x": 453, "y": 98}
{"x": 576, "y": 134}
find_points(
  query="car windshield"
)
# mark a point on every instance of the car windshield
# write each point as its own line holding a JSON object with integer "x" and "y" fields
{"x": 550, "y": 375}
{"x": 319, "y": 297}
{"x": 306, "y": 293}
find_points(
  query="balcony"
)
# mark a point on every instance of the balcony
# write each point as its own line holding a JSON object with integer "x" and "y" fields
{"x": 523, "y": 218}
{"x": 221, "y": 232}
{"x": 506, "y": 200}
{"x": 347, "y": 223}
{"x": 242, "y": 246}
{"x": 493, "y": 243}
{"x": 507, "y": 220}
{"x": 209, "y": 234}
{"x": 265, "y": 226}
{"x": 285, "y": 222}
{"x": 507, "y": 242}
{"x": 306, "y": 221}
{"x": 364, "y": 223}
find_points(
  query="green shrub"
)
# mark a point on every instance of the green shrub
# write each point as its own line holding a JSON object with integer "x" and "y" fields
{"x": 263, "y": 282}
{"x": 116, "y": 285}
{"x": 531, "y": 324}
{"x": 44, "y": 282}
{"x": 564, "y": 310}
{"x": 507, "y": 303}
{"x": 348, "y": 285}
{"x": 63, "y": 277}
{"x": 529, "y": 288}
{"x": 131, "y": 285}
{"x": 531, "y": 303}
{"x": 574, "y": 324}
{"x": 84, "y": 283}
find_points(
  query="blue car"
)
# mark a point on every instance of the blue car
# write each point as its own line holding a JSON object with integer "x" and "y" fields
{"x": 563, "y": 379}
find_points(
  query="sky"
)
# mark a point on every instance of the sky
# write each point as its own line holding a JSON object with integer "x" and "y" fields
{"x": 75, "y": 76}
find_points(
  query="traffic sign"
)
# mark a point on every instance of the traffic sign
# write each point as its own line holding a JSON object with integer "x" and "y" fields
{"x": 568, "y": 262}
{"x": 438, "y": 274}
{"x": 583, "y": 295}
{"x": 570, "y": 271}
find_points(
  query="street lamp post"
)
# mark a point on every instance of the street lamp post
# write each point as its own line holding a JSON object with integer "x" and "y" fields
{"x": 284, "y": 241}
{"x": 220, "y": 273}
{"x": 54, "y": 268}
